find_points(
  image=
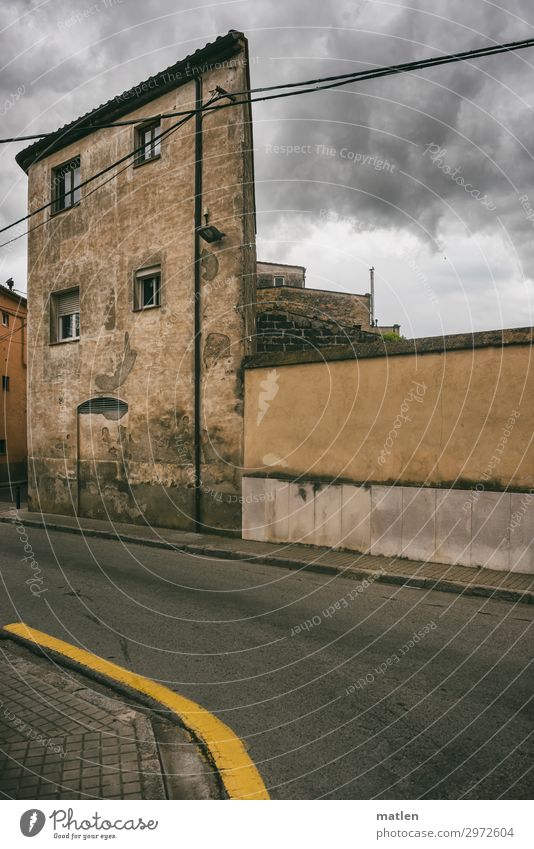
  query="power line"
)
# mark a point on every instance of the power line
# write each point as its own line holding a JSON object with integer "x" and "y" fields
{"x": 163, "y": 135}
{"x": 354, "y": 76}
{"x": 314, "y": 85}
{"x": 12, "y": 333}
{"x": 93, "y": 177}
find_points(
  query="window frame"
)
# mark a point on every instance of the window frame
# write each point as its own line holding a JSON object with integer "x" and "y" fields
{"x": 154, "y": 144}
{"x": 3, "y": 447}
{"x": 5, "y": 383}
{"x": 56, "y": 325}
{"x": 279, "y": 277}
{"x": 140, "y": 276}
{"x": 5, "y": 319}
{"x": 55, "y": 208}
{"x": 73, "y": 326}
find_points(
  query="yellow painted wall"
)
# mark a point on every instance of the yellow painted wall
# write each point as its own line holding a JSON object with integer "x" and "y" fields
{"x": 451, "y": 418}
{"x": 13, "y": 403}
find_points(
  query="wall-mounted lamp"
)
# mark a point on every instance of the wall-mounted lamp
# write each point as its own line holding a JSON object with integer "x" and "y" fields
{"x": 210, "y": 233}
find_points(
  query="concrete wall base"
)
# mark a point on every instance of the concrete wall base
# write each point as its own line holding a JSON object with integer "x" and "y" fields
{"x": 453, "y": 526}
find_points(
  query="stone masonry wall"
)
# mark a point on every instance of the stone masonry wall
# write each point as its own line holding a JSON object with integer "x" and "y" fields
{"x": 289, "y": 319}
{"x": 140, "y": 468}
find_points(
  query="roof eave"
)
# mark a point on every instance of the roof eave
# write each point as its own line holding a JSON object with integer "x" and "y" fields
{"x": 177, "y": 75}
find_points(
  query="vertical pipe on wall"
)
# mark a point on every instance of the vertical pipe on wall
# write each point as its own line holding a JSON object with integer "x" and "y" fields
{"x": 198, "y": 305}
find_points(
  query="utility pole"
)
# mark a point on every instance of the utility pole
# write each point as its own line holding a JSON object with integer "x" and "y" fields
{"x": 372, "y": 303}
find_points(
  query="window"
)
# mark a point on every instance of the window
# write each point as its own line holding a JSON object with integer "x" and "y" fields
{"x": 3, "y": 446}
{"x": 147, "y": 138}
{"x": 5, "y": 319}
{"x": 147, "y": 288}
{"x": 5, "y": 383}
{"x": 66, "y": 185}
{"x": 65, "y": 316}
{"x": 279, "y": 281}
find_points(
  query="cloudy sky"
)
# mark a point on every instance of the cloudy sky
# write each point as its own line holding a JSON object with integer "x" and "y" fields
{"x": 363, "y": 175}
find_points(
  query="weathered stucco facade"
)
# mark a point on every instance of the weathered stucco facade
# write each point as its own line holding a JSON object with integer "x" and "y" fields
{"x": 141, "y": 460}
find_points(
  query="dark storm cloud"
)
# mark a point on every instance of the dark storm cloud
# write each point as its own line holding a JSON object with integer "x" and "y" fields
{"x": 359, "y": 150}
{"x": 458, "y": 137}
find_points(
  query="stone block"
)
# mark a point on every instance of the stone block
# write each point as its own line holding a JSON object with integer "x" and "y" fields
{"x": 327, "y": 515}
{"x": 522, "y": 532}
{"x": 490, "y": 544}
{"x": 276, "y": 510}
{"x": 453, "y": 526}
{"x": 301, "y": 512}
{"x": 386, "y": 520}
{"x": 254, "y": 518}
{"x": 356, "y": 517}
{"x": 418, "y": 522}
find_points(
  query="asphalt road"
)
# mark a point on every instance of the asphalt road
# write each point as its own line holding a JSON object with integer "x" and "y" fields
{"x": 350, "y": 706}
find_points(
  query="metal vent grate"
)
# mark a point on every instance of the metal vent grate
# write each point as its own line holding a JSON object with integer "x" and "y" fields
{"x": 109, "y": 407}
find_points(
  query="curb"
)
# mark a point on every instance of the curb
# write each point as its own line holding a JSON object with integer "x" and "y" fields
{"x": 355, "y": 573}
{"x": 236, "y": 771}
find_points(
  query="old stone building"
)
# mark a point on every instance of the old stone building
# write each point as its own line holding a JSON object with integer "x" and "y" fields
{"x": 145, "y": 297}
{"x": 277, "y": 274}
{"x": 290, "y": 317}
{"x": 13, "y": 360}
{"x": 141, "y": 291}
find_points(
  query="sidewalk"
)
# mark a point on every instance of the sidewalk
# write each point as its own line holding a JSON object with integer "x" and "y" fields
{"x": 510, "y": 586}
{"x": 62, "y": 737}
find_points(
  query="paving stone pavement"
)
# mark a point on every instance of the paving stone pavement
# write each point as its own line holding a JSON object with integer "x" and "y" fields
{"x": 61, "y": 740}
{"x": 491, "y": 583}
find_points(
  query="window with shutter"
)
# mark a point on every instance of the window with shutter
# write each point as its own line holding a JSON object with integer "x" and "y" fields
{"x": 65, "y": 316}
{"x": 147, "y": 288}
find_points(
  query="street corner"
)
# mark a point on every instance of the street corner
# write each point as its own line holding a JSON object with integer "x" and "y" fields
{"x": 66, "y": 736}
{"x": 192, "y": 753}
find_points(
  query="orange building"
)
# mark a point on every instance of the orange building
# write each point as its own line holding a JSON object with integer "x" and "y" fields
{"x": 13, "y": 364}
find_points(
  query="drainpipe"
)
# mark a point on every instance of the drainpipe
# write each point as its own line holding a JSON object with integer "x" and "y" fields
{"x": 198, "y": 305}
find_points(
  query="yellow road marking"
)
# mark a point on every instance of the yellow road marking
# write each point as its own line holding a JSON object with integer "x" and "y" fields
{"x": 238, "y": 772}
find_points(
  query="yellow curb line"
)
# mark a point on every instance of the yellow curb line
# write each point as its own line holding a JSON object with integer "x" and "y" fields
{"x": 239, "y": 775}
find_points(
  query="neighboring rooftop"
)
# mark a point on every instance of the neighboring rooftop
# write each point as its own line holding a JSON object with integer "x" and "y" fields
{"x": 10, "y": 293}
{"x": 172, "y": 77}
{"x": 280, "y": 274}
{"x": 281, "y": 265}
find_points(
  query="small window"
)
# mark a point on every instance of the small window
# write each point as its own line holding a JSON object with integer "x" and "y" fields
{"x": 147, "y": 291}
{"x": 65, "y": 316}
{"x": 5, "y": 319}
{"x": 147, "y": 142}
{"x": 279, "y": 281}
{"x": 66, "y": 185}
{"x": 3, "y": 446}
{"x": 5, "y": 383}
